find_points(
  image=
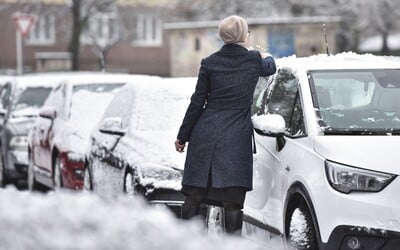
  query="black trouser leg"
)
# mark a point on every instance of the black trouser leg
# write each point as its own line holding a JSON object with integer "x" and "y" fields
{"x": 233, "y": 218}
{"x": 191, "y": 207}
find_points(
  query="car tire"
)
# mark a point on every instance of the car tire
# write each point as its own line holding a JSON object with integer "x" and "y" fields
{"x": 57, "y": 178}
{"x": 32, "y": 183}
{"x": 301, "y": 234}
{"x": 87, "y": 179}
{"x": 129, "y": 183}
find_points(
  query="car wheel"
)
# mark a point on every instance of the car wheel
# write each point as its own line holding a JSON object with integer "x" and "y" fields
{"x": 301, "y": 234}
{"x": 215, "y": 220}
{"x": 130, "y": 183}
{"x": 87, "y": 180}
{"x": 32, "y": 184}
{"x": 57, "y": 178}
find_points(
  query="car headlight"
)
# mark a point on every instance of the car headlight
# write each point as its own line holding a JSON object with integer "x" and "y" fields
{"x": 19, "y": 142}
{"x": 347, "y": 179}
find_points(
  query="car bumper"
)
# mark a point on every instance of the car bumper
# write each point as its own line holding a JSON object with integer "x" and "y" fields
{"x": 16, "y": 164}
{"x": 335, "y": 210}
{"x": 354, "y": 238}
{"x": 172, "y": 199}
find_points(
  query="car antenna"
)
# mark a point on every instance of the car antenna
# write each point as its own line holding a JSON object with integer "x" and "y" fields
{"x": 326, "y": 40}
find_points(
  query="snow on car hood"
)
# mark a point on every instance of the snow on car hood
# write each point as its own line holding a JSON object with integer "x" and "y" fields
{"x": 379, "y": 153}
{"x": 153, "y": 153}
{"x": 21, "y": 125}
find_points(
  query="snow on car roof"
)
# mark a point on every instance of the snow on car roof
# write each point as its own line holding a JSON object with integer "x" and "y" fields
{"x": 347, "y": 60}
{"x": 38, "y": 80}
{"x": 93, "y": 77}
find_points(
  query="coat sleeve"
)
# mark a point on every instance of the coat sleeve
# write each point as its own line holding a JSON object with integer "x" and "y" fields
{"x": 268, "y": 66}
{"x": 196, "y": 105}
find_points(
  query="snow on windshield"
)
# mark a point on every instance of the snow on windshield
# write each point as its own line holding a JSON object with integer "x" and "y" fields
{"x": 70, "y": 220}
{"x": 358, "y": 99}
{"x": 88, "y": 104}
{"x": 157, "y": 113}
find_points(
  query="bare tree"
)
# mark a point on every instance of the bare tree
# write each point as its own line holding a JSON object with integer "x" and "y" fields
{"x": 81, "y": 11}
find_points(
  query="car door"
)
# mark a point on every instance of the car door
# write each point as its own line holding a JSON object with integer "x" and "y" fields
{"x": 108, "y": 150}
{"x": 270, "y": 169}
{"x": 43, "y": 130}
{"x": 5, "y": 93}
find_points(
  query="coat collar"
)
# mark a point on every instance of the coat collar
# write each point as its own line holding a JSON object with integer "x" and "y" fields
{"x": 232, "y": 49}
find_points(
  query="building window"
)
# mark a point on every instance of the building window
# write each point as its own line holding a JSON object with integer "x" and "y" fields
{"x": 197, "y": 45}
{"x": 43, "y": 31}
{"x": 102, "y": 29}
{"x": 148, "y": 31}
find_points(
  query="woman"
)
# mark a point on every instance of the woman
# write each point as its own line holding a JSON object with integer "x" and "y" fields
{"x": 217, "y": 125}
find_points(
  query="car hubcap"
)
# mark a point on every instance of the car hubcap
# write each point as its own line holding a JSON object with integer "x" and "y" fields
{"x": 215, "y": 221}
{"x": 57, "y": 175}
{"x": 87, "y": 180}
{"x": 129, "y": 187}
{"x": 30, "y": 175}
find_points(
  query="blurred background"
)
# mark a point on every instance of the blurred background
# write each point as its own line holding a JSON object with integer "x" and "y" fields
{"x": 169, "y": 37}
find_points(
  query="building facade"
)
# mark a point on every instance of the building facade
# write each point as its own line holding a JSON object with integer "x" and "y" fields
{"x": 301, "y": 36}
{"x": 131, "y": 34}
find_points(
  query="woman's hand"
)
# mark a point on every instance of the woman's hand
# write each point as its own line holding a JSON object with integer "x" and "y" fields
{"x": 265, "y": 54}
{"x": 179, "y": 146}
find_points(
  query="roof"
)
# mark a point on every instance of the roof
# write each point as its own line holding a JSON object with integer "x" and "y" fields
{"x": 255, "y": 21}
{"x": 348, "y": 60}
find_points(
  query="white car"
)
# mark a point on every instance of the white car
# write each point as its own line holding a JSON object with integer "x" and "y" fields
{"x": 327, "y": 162}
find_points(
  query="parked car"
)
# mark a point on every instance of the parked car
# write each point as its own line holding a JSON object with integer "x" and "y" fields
{"x": 131, "y": 150}
{"x": 58, "y": 139}
{"x": 20, "y": 101}
{"x": 327, "y": 163}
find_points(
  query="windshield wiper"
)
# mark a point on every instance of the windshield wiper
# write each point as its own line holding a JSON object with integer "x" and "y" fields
{"x": 337, "y": 131}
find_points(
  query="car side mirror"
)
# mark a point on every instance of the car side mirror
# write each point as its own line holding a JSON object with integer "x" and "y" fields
{"x": 48, "y": 112}
{"x": 113, "y": 126}
{"x": 269, "y": 125}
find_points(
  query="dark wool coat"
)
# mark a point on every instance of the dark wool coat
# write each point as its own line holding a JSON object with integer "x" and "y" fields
{"x": 218, "y": 124}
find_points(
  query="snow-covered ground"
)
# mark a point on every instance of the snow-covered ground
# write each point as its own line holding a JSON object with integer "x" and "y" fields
{"x": 79, "y": 220}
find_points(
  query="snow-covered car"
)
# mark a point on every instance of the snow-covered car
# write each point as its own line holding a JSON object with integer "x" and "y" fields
{"x": 20, "y": 101}
{"x": 327, "y": 162}
{"x": 132, "y": 148}
{"x": 58, "y": 139}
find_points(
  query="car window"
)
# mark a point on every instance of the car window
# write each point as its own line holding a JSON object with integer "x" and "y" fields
{"x": 121, "y": 106}
{"x": 56, "y": 100}
{"x": 5, "y": 96}
{"x": 296, "y": 123}
{"x": 357, "y": 99}
{"x": 282, "y": 97}
{"x": 31, "y": 97}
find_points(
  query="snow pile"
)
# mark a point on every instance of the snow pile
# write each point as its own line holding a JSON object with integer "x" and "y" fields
{"x": 298, "y": 230}
{"x": 69, "y": 220}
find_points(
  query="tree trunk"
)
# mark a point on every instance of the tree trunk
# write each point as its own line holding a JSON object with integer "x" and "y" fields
{"x": 74, "y": 45}
{"x": 385, "y": 47}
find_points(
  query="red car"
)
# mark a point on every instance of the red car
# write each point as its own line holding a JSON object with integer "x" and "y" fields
{"x": 58, "y": 139}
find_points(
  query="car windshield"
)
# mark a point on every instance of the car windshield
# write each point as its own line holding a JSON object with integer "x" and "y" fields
{"x": 357, "y": 100}
{"x": 30, "y": 98}
{"x": 89, "y": 102}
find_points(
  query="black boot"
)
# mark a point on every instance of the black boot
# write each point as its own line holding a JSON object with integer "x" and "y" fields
{"x": 189, "y": 211}
{"x": 233, "y": 221}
